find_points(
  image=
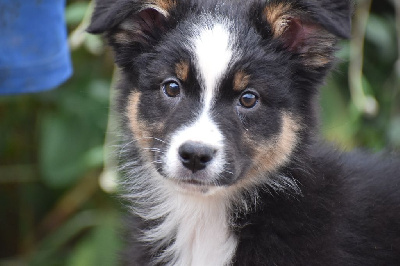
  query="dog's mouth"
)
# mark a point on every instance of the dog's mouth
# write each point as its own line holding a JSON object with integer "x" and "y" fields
{"x": 192, "y": 182}
{"x": 195, "y": 186}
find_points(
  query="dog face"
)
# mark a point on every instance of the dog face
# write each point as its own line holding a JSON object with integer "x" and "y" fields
{"x": 218, "y": 95}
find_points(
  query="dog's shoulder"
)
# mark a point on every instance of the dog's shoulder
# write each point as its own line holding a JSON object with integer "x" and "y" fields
{"x": 348, "y": 211}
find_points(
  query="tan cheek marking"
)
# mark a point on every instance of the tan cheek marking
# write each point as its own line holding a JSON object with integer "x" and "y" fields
{"x": 138, "y": 127}
{"x": 141, "y": 130}
{"x": 240, "y": 81}
{"x": 274, "y": 153}
{"x": 182, "y": 70}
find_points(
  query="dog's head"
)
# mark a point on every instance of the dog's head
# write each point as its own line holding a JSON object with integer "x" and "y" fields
{"x": 218, "y": 94}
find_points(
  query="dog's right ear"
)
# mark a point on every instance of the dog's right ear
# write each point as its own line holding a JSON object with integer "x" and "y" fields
{"x": 138, "y": 22}
{"x": 308, "y": 28}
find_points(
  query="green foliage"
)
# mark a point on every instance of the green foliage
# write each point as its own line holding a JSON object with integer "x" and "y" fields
{"x": 342, "y": 121}
{"x": 53, "y": 210}
{"x": 75, "y": 12}
{"x": 73, "y": 133}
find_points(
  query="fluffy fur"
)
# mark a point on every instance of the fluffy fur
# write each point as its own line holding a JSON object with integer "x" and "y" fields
{"x": 220, "y": 158}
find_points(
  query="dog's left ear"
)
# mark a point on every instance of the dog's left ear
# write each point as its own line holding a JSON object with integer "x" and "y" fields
{"x": 309, "y": 28}
{"x": 130, "y": 21}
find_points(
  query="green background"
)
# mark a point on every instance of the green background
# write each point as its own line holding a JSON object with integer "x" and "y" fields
{"x": 57, "y": 206}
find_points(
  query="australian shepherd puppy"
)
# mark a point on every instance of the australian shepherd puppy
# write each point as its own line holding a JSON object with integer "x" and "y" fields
{"x": 221, "y": 161}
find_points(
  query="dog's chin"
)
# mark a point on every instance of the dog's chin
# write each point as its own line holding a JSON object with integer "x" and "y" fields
{"x": 195, "y": 187}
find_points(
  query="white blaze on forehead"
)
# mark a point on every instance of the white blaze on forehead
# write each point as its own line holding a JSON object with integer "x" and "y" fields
{"x": 212, "y": 48}
{"x": 213, "y": 52}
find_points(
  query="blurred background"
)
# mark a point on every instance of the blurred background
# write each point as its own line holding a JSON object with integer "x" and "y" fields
{"x": 57, "y": 200}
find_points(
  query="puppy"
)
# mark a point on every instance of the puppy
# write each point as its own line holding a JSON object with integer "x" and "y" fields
{"x": 221, "y": 162}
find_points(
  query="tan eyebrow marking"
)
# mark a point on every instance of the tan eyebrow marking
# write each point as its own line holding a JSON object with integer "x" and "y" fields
{"x": 182, "y": 70}
{"x": 240, "y": 81}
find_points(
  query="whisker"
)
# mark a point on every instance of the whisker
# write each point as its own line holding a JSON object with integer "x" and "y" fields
{"x": 160, "y": 140}
{"x": 154, "y": 149}
{"x": 229, "y": 172}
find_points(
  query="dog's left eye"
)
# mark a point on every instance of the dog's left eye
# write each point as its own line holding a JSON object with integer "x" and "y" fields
{"x": 171, "y": 88}
{"x": 248, "y": 100}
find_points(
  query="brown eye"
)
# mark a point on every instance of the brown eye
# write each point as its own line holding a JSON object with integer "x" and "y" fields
{"x": 171, "y": 89}
{"x": 248, "y": 100}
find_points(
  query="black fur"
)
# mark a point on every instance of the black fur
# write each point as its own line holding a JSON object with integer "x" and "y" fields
{"x": 349, "y": 215}
{"x": 348, "y": 211}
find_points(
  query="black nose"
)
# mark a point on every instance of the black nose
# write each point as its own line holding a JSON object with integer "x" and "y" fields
{"x": 195, "y": 156}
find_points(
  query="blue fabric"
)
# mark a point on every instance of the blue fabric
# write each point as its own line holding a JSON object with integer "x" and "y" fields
{"x": 34, "y": 54}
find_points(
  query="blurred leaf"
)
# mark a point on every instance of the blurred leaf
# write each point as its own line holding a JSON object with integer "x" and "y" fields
{"x": 65, "y": 154}
{"x": 100, "y": 247}
{"x": 61, "y": 150}
{"x": 94, "y": 157}
{"x": 344, "y": 52}
{"x": 381, "y": 33}
{"x": 71, "y": 141}
{"x": 99, "y": 90}
{"x": 336, "y": 116}
{"x": 83, "y": 255}
{"x": 94, "y": 44}
{"x": 48, "y": 252}
{"x": 366, "y": 85}
{"x": 75, "y": 12}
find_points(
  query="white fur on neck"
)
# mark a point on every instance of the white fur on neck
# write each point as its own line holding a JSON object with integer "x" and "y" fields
{"x": 203, "y": 235}
{"x": 196, "y": 224}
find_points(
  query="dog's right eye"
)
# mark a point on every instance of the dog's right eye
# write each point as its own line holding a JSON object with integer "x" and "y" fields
{"x": 171, "y": 88}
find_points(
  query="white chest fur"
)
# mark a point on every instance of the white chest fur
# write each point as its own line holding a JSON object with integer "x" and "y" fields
{"x": 200, "y": 226}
